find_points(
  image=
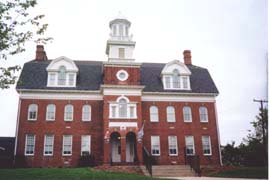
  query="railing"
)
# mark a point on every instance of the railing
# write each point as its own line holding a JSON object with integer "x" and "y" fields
{"x": 147, "y": 160}
{"x": 194, "y": 162}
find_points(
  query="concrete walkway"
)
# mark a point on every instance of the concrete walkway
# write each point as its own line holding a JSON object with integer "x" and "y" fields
{"x": 208, "y": 178}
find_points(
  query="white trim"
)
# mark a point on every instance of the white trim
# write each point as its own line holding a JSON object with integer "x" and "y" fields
{"x": 17, "y": 126}
{"x": 61, "y": 96}
{"x": 63, "y": 145}
{"x": 177, "y": 98}
{"x": 123, "y": 124}
{"x": 120, "y": 78}
{"x": 218, "y": 134}
{"x": 62, "y": 58}
{"x": 45, "y": 137}
{"x": 118, "y": 92}
{"x": 188, "y": 72}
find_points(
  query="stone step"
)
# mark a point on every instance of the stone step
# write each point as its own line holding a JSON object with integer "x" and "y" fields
{"x": 171, "y": 171}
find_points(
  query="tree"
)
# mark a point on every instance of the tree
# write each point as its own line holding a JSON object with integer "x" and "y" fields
{"x": 17, "y": 27}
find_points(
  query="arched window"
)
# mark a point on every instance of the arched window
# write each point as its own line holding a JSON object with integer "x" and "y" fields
{"x": 170, "y": 114}
{"x": 32, "y": 112}
{"x": 176, "y": 79}
{"x": 122, "y": 107}
{"x": 62, "y": 76}
{"x": 203, "y": 114}
{"x": 187, "y": 114}
{"x": 86, "y": 113}
{"x": 68, "y": 113}
{"x": 50, "y": 113}
{"x": 153, "y": 114}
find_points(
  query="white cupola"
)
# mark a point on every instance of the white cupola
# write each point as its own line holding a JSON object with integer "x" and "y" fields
{"x": 120, "y": 45}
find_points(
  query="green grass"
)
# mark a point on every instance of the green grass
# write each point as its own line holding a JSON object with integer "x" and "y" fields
{"x": 243, "y": 172}
{"x": 66, "y": 174}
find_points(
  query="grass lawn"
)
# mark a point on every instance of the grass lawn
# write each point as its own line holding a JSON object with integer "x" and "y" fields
{"x": 66, "y": 174}
{"x": 243, "y": 172}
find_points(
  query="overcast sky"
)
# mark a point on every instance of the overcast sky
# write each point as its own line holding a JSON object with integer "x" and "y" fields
{"x": 227, "y": 37}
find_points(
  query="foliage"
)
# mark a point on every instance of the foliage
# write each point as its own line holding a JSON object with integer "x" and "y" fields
{"x": 243, "y": 172}
{"x": 17, "y": 27}
{"x": 231, "y": 155}
{"x": 66, "y": 174}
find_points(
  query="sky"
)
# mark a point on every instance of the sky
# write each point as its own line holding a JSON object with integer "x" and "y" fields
{"x": 229, "y": 38}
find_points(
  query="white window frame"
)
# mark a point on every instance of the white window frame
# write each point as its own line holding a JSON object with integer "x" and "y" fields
{"x": 89, "y": 111}
{"x": 51, "y": 82}
{"x": 47, "y": 112}
{"x": 154, "y": 117}
{"x": 203, "y": 146}
{"x": 116, "y": 105}
{"x": 155, "y": 146}
{"x": 170, "y": 115}
{"x": 193, "y": 145}
{"x": 63, "y": 145}
{"x": 27, "y": 144}
{"x": 28, "y": 113}
{"x": 45, "y": 144}
{"x": 65, "y": 113}
{"x": 67, "y": 79}
{"x": 122, "y": 78}
{"x": 88, "y": 138}
{"x": 205, "y": 113}
{"x": 169, "y": 85}
{"x": 170, "y": 145}
{"x": 189, "y": 112}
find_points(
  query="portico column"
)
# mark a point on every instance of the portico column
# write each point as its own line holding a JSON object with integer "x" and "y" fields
{"x": 123, "y": 147}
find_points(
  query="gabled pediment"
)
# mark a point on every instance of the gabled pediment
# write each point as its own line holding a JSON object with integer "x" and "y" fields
{"x": 175, "y": 64}
{"x": 62, "y": 61}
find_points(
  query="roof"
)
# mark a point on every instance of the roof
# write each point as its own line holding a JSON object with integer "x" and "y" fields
{"x": 90, "y": 75}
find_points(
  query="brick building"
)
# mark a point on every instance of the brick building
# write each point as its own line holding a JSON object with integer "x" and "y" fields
{"x": 112, "y": 109}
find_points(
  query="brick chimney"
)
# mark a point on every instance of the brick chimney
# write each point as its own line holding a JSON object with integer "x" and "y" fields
{"x": 187, "y": 57}
{"x": 40, "y": 53}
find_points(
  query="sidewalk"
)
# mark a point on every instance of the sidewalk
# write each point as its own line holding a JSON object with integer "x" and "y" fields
{"x": 208, "y": 178}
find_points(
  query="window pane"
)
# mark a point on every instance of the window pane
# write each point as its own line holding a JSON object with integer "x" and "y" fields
{"x": 68, "y": 113}
{"x": 153, "y": 114}
{"x": 30, "y": 144}
{"x": 71, "y": 79}
{"x": 173, "y": 149}
{"x": 86, "y": 113}
{"x": 67, "y": 145}
{"x": 185, "y": 82}
{"x": 48, "y": 145}
{"x": 203, "y": 114}
{"x": 132, "y": 111}
{"x": 189, "y": 145}
{"x": 85, "y": 145}
{"x": 62, "y": 76}
{"x": 206, "y": 145}
{"x": 113, "y": 111}
{"x": 187, "y": 114}
{"x": 155, "y": 145}
{"x": 52, "y": 79}
{"x": 122, "y": 108}
{"x": 32, "y": 112}
{"x": 50, "y": 114}
{"x": 170, "y": 114}
{"x": 168, "y": 82}
{"x": 176, "y": 79}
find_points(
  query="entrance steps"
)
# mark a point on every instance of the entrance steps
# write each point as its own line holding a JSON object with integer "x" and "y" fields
{"x": 169, "y": 171}
{"x": 133, "y": 169}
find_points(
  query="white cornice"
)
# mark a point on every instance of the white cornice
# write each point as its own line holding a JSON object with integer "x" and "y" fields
{"x": 111, "y": 86}
{"x": 58, "y": 91}
{"x": 121, "y": 64}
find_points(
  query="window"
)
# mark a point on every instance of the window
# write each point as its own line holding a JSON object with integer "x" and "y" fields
{"x": 52, "y": 78}
{"x": 203, "y": 114}
{"x": 185, "y": 82}
{"x": 86, "y": 113}
{"x": 29, "y": 144}
{"x": 170, "y": 114}
{"x": 176, "y": 79}
{"x": 85, "y": 145}
{"x": 155, "y": 145}
{"x": 121, "y": 53}
{"x": 190, "y": 150}
{"x": 122, "y": 75}
{"x": 67, "y": 145}
{"x": 48, "y": 145}
{"x": 173, "y": 149}
{"x": 32, "y": 112}
{"x": 206, "y": 143}
{"x": 153, "y": 114}
{"x": 62, "y": 76}
{"x": 50, "y": 113}
{"x": 168, "y": 82}
{"x": 187, "y": 114}
{"x": 132, "y": 111}
{"x": 113, "y": 111}
{"x": 68, "y": 112}
{"x": 122, "y": 108}
{"x": 71, "y": 79}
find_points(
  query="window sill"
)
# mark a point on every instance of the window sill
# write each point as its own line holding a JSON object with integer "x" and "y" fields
{"x": 155, "y": 154}
{"x": 171, "y": 121}
{"x": 86, "y": 121}
{"x": 66, "y": 154}
{"x": 29, "y": 155}
{"x": 204, "y": 122}
{"x": 50, "y": 120}
{"x": 48, "y": 155}
{"x": 173, "y": 155}
{"x": 207, "y": 154}
{"x": 187, "y": 121}
{"x": 31, "y": 119}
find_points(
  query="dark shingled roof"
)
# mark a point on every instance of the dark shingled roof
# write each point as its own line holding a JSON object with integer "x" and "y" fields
{"x": 34, "y": 76}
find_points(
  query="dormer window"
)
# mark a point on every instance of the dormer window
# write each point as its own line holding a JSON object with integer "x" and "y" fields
{"x": 175, "y": 76}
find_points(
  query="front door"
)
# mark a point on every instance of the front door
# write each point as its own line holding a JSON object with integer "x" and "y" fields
{"x": 115, "y": 150}
{"x": 130, "y": 151}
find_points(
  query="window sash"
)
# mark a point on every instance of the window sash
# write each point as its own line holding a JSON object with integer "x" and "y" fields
{"x": 185, "y": 82}
{"x": 155, "y": 145}
{"x": 86, "y": 113}
{"x": 206, "y": 143}
{"x": 68, "y": 113}
{"x": 32, "y": 112}
{"x": 168, "y": 82}
{"x": 172, "y": 142}
{"x": 154, "y": 114}
{"x": 190, "y": 149}
{"x": 187, "y": 114}
{"x": 203, "y": 114}
{"x": 85, "y": 144}
{"x": 50, "y": 113}
{"x": 71, "y": 79}
{"x": 30, "y": 144}
{"x": 67, "y": 145}
{"x": 176, "y": 81}
{"x": 48, "y": 144}
{"x": 52, "y": 78}
{"x": 170, "y": 114}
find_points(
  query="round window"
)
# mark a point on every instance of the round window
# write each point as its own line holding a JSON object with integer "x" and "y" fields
{"x": 122, "y": 75}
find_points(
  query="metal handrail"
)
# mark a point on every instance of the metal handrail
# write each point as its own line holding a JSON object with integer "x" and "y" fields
{"x": 147, "y": 159}
{"x": 194, "y": 162}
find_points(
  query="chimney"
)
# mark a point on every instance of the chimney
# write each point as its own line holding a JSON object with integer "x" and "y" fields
{"x": 40, "y": 53}
{"x": 187, "y": 57}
